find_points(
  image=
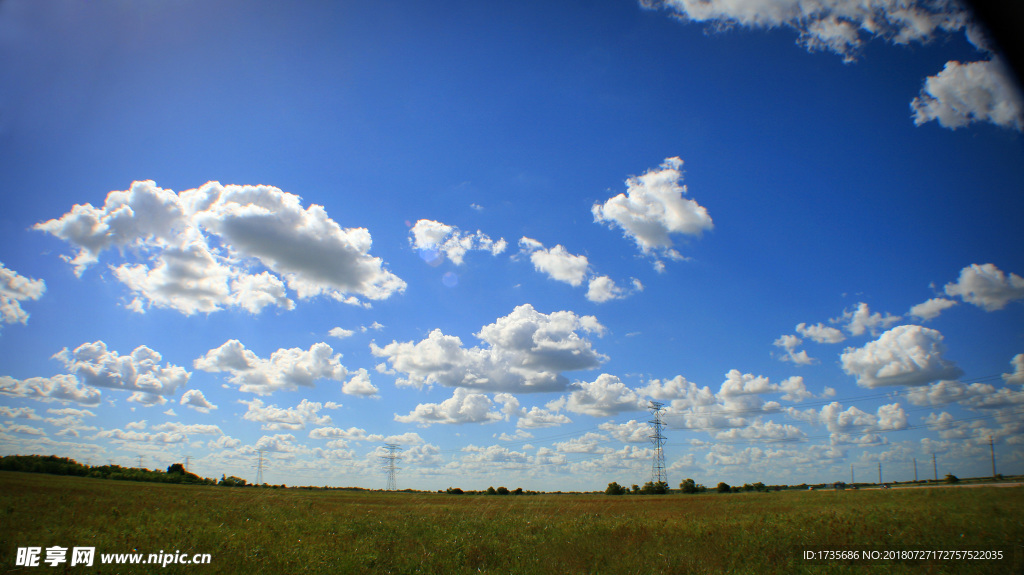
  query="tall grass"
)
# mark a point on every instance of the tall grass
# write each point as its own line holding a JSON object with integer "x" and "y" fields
{"x": 298, "y": 531}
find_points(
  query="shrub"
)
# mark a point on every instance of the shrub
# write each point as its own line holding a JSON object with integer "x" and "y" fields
{"x": 950, "y": 478}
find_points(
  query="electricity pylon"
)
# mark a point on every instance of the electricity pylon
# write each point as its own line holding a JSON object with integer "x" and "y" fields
{"x": 388, "y": 464}
{"x": 658, "y": 439}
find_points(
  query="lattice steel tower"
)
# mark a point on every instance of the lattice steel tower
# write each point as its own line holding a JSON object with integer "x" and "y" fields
{"x": 658, "y": 439}
{"x": 388, "y": 464}
{"x": 259, "y": 468}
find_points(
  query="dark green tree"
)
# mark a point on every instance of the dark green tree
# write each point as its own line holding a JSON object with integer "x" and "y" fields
{"x": 688, "y": 486}
{"x": 723, "y": 487}
{"x": 615, "y": 489}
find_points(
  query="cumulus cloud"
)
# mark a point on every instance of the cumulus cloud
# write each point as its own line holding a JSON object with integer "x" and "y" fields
{"x": 61, "y": 387}
{"x": 790, "y": 343}
{"x": 14, "y": 289}
{"x": 861, "y": 320}
{"x": 947, "y": 391}
{"x": 653, "y": 208}
{"x": 607, "y": 395}
{"x": 286, "y": 369}
{"x": 194, "y": 399}
{"x": 435, "y": 240}
{"x": 464, "y": 406}
{"x": 820, "y": 333}
{"x": 905, "y": 355}
{"x": 1018, "y": 370}
{"x": 193, "y": 250}
{"x": 987, "y": 287}
{"x": 574, "y": 270}
{"x": 932, "y": 308}
{"x": 967, "y": 92}
{"x": 538, "y": 417}
{"x": 632, "y": 431}
{"x": 556, "y": 262}
{"x": 524, "y": 351}
{"x": 359, "y": 384}
{"x": 139, "y": 372}
{"x": 273, "y": 417}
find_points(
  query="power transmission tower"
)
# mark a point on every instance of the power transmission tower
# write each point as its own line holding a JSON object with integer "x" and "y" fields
{"x": 935, "y": 468}
{"x": 993, "y": 450}
{"x": 879, "y": 472}
{"x": 259, "y": 468}
{"x": 140, "y": 462}
{"x": 388, "y": 464}
{"x": 658, "y": 439}
{"x": 915, "y": 470}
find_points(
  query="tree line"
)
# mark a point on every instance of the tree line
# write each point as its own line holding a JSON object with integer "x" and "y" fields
{"x": 53, "y": 465}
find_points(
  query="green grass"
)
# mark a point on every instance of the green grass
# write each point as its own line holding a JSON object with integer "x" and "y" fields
{"x": 298, "y": 531}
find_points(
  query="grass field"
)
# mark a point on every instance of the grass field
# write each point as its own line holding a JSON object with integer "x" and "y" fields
{"x": 279, "y": 531}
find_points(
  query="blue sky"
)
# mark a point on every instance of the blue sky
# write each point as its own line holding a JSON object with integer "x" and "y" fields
{"x": 494, "y": 233}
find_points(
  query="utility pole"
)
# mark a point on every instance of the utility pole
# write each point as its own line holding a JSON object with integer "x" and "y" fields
{"x": 992, "y": 449}
{"x": 658, "y": 439}
{"x": 851, "y": 475}
{"x": 388, "y": 464}
{"x": 915, "y": 470}
{"x": 879, "y": 472}
{"x": 259, "y": 468}
{"x": 935, "y": 468}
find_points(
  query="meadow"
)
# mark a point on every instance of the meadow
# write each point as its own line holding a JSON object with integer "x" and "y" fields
{"x": 261, "y": 530}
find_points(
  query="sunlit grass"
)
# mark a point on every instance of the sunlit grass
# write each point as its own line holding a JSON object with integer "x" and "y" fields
{"x": 299, "y": 531}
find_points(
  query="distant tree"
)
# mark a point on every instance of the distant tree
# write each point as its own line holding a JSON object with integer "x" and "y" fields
{"x": 491, "y": 491}
{"x": 503, "y": 491}
{"x": 760, "y": 487}
{"x": 723, "y": 487}
{"x": 636, "y": 488}
{"x": 518, "y": 491}
{"x": 615, "y": 489}
{"x": 950, "y": 478}
{"x": 455, "y": 491}
{"x": 688, "y": 486}
{"x": 231, "y": 481}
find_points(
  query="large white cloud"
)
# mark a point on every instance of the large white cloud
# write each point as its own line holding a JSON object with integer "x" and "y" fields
{"x": 434, "y": 239}
{"x": 464, "y": 406}
{"x": 285, "y": 369}
{"x": 962, "y": 93}
{"x": 653, "y": 208}
{"x": 524, "y": 351}
{"x": 194, "y": 250}
{"x": 905, "y": 355}
{"x": 14, "y": 289}
{"x": 607, "y": 395}
{"x": 194, "y": 399}
{"x": 61, "y": 387}
{"x": 987, "y": 287}
{"x": 139, "y": 372}
{"x": 273, "y": 417}
{"x": 1017, "y": 376}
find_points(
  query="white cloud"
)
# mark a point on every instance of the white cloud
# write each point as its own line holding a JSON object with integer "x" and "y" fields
{"x": 761, "y": 431}
{"x": 195, "y": 399}
{"x": 273, "y": 417}
{"x": 820, "y": 333}
{"x": 464, "y": 406}
{"x": 862, "y": 320}
{"x": 538, "y": 417}
{"x": 1018, "y": 370}
{"x": 434, "y": 239}
{"x": 605, "y": 396}
{"x": 359, "y": 384}
{"x": 18, "y": 412}
{"x": 557, "y": 262}
{"x": 653, "y": 208}
{"x": 790, "y": 343}
{"x": 632, "y": 431}
{"x": 14, "y": 289}
{"x": 962, "y": 93}
{"x": 224, "y": 442}
{"x": 603, "y": 288}
{"x": 987, "y": 287}
{"x": 932, "y": 308}
{"x": 838, "y": 26}
{"x": 947, "y": 391}
{"x": 286, "y": 369}
{"x": 525, "y": 351}
{"x": 341, "y": 333}
{"x": 905, "y": 355}
{"x": 352, "y": 433}
{"x": 196, "y": 248}
{"x": 139, "y": 372}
